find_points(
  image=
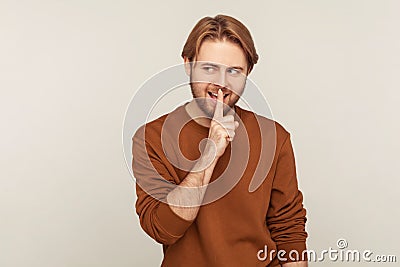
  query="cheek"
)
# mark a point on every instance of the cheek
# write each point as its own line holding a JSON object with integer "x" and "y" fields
{"x": 200, "y": 86}
{"x": 233, "y": 98}
{"x": 238, "y": 91}
{"x": 236, "y": 94}
{"x": 237, "y": 85}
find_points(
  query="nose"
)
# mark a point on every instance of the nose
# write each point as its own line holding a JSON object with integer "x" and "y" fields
{"x": 222, "y": 81}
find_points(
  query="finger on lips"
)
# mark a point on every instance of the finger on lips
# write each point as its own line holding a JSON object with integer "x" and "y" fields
{"x": 219, "y": 107}
{"x": 228, "y": 123}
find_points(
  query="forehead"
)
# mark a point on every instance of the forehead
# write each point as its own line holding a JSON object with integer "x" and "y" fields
{"x": 222, "y": 52}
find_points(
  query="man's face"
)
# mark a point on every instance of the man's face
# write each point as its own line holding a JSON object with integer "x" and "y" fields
{"x": 219, "y": 64}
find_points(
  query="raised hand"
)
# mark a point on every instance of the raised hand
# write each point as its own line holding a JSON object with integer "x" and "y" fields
{"x": 222, "y": 128}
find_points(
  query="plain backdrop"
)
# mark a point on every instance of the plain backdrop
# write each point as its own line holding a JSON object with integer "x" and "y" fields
{"x": 68, "y": 69}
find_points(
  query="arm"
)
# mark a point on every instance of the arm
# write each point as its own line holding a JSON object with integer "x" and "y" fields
{"x": 166, "y": 210}
{"x": 155, "y": 180}
{"x": 186, "y": 199}
{"x": 286, "y": 216}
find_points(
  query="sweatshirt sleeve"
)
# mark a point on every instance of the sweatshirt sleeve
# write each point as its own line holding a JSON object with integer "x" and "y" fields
{"x": 153, "y": 182}
{"x": 286, "y": 216}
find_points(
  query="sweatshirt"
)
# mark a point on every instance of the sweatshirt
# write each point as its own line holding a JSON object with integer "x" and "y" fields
{"x": 252, "y": 208}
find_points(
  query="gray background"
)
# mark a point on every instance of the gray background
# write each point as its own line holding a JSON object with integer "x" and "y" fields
{"x": 68, "y": 69}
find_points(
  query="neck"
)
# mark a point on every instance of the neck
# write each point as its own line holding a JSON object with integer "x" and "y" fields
{"x": 199, "y": 116}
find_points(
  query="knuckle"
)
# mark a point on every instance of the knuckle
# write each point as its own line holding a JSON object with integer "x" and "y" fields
{"x": 229, "y": 117}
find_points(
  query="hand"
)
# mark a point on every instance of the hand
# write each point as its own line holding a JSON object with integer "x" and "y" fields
{"x": 222, "y": 128}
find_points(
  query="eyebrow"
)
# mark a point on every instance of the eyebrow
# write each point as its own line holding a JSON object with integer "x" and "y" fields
{"x": 217, "y": 66}
{"x": 237, "y": 67}
{"x": 209, "y": 64}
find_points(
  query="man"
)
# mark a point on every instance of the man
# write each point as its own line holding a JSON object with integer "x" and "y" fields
{"x": 216, "y": 184}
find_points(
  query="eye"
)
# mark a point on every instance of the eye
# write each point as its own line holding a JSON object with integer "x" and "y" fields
{"x": 209, "y": 69}
{"x": 233, "y": 71}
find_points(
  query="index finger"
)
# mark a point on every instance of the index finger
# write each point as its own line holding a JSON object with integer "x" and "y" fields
{"x": 219, "y": 107}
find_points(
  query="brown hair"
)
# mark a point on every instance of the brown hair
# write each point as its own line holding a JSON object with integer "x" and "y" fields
{"x": 221, "y": 27}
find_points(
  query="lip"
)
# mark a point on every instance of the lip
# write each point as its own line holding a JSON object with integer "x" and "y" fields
{"x": 213, "y": 95}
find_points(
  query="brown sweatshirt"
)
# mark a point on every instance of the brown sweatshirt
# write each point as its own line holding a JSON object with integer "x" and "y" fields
{"x": 252, "y": 204}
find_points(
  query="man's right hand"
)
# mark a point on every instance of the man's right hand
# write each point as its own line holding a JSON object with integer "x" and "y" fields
{"x": 222, "y": 128}
{"x": 186, "y": 202}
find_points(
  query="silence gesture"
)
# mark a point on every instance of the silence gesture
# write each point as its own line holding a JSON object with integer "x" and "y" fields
{"x": 222, "y": 128}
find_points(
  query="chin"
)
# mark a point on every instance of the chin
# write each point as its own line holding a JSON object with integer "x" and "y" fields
{"x": 205, "y": 106}
{"x": 208, "y": 107}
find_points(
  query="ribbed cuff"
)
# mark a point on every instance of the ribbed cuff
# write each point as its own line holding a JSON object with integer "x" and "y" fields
{"x": 171, "y": 222}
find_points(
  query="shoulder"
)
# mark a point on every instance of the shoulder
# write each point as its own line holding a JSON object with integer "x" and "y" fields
{"x": 264, "y": 123}
{"x": 150, "y": 130}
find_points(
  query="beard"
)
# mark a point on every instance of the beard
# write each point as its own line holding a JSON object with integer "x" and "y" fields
{"x": 207, "y": 105}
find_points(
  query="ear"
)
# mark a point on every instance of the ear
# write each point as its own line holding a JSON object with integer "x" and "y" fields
{"x": 188, "y": 68}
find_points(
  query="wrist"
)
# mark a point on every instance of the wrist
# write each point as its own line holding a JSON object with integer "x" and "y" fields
{"x": 208, "y": 159}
